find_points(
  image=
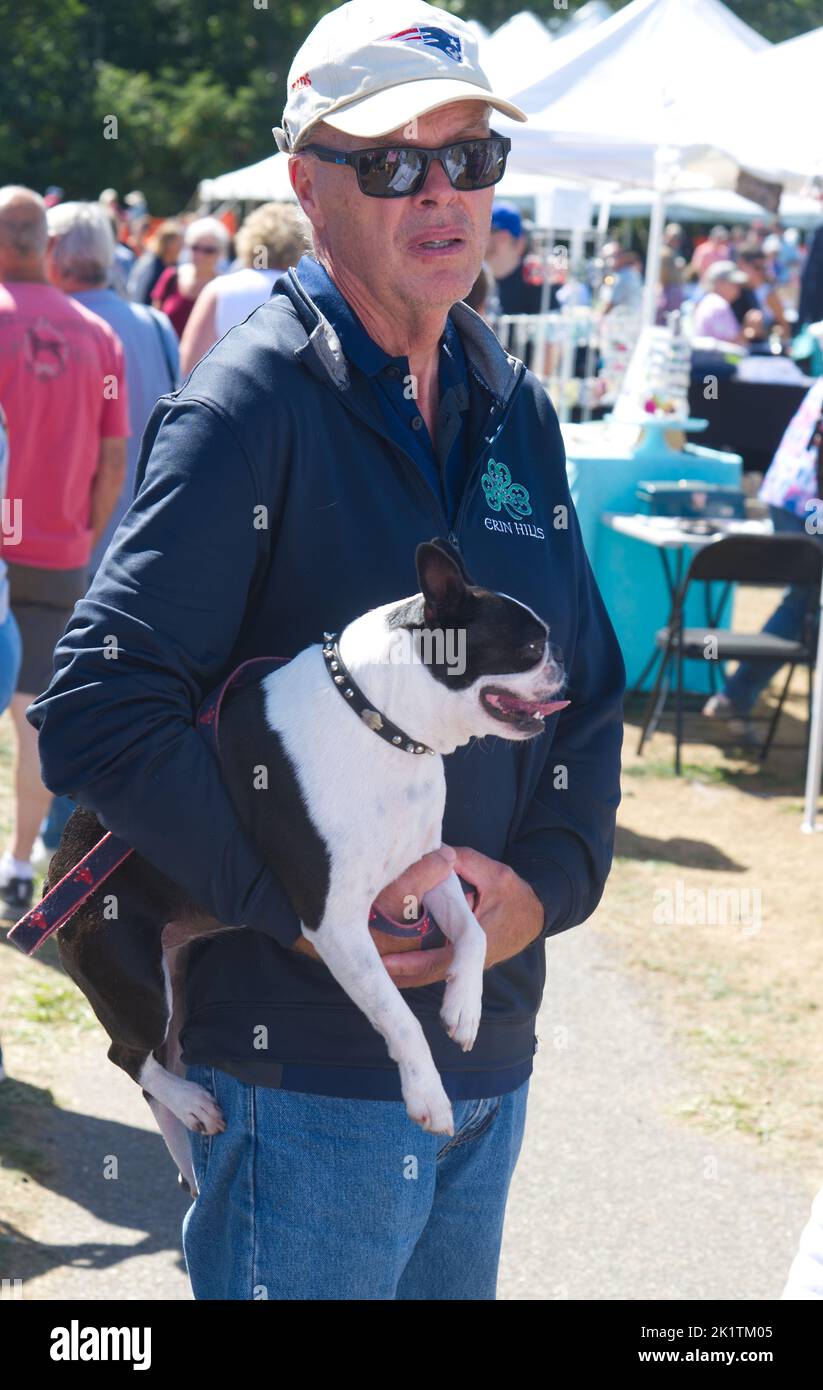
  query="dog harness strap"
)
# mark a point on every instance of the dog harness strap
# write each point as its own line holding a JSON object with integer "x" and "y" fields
{"x": 351, "y": 692}
{"x": 62, "y": 901}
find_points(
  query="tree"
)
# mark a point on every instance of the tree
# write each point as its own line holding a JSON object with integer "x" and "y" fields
{"x": 45, "y": 92}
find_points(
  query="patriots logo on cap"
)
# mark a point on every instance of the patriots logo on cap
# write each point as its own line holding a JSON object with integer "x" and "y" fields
{"x": 448, "y": 43}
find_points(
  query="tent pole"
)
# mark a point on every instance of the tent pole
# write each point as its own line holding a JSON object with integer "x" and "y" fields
{"x": 815, "y": 763}
{"x": 658, "y": 213}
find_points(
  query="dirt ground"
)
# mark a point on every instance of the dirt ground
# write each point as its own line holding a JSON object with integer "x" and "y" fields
{"x": 715, "y": 896}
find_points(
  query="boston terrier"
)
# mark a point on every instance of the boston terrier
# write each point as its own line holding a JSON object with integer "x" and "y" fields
{"x": 352, "y": 736}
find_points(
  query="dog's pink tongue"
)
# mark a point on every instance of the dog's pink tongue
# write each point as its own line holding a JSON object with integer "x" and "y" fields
{"x": 551, "y": 706}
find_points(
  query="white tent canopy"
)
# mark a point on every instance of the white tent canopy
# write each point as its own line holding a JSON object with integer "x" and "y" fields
{"x": 268, "y": 180}
{"x": 516, "y": 54}
{"x": 712, "y": 204}
{"x": 773, "y": 111}
{"x": 591, "y": 14}
{"x": 613, "y": 94}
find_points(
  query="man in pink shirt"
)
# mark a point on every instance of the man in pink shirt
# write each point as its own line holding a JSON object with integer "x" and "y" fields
{"x": 716, "y": 247}
{"x": 713, "y": 315}
{"x": 63, "y": 389}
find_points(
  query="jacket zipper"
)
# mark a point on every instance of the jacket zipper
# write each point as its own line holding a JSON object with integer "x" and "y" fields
{"x": 488, "y": 441}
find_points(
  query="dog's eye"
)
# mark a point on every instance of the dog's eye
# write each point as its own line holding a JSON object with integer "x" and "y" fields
{"x": 534, "y": 649}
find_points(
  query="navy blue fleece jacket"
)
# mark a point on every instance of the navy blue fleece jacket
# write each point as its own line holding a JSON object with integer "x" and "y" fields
{"x": 273, "y": 501}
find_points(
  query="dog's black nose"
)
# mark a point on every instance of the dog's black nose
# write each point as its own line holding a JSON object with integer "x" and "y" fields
{"x": 555, "y": 653}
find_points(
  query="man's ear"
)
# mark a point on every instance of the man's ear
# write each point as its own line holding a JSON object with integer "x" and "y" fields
{"x": 442, "y": 583}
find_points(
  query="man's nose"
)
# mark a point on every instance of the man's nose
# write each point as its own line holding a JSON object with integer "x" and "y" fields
{"x": 436, "y": 182}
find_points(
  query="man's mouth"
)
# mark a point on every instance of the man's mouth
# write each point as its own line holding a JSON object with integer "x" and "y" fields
{"x": 435, "y": 245}
{"x": 528, "y": 715}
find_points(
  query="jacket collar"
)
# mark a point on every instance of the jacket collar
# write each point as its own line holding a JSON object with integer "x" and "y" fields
{"x": 497, "y": 371}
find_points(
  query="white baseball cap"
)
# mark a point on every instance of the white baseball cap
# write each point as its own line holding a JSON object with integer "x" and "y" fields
{"x": 371, "y": 66}
{"x": 725, "y": 270}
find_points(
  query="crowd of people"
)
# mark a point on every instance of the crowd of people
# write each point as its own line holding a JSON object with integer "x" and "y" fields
{"x": 739, "y": 285}
{"x": 101, "y": 312}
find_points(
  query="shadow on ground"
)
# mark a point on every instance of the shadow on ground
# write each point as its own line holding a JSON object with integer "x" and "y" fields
{"x": 68, "y": 1154}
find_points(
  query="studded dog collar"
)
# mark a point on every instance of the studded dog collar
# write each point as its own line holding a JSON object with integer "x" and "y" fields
{"x": 351, "y": 692}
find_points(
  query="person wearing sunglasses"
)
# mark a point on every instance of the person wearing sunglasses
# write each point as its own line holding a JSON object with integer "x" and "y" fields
{"x": 206, "y": 241}
{"x": 362, "y": 409}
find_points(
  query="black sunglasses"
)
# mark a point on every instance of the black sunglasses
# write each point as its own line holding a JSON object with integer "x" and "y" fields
{"x": 398, "y": 171}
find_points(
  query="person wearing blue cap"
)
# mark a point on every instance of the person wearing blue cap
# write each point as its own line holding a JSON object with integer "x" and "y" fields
{"x": 518, "y": 274}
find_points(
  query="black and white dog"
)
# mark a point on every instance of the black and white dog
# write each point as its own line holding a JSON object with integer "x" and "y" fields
{"x": 322, "y": 825}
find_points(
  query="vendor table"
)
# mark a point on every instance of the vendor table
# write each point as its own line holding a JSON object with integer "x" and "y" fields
{"x": 604, "y": 469}
{"x": 675, "y": 543}
{"x": 748, "y": 417}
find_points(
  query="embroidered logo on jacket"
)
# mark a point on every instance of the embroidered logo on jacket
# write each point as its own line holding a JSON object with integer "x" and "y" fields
{"x": 502, "y": 492}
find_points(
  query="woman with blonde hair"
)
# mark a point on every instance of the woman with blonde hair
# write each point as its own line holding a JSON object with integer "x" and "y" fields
{"x": 206, "y": 240}
{"x": 271, "y": 239}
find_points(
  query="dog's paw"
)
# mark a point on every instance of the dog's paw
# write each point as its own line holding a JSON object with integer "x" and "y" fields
{"x": 460, "y": 1014}
{"x": 429, "y": 1106}
{"x": 200, "y": 1111}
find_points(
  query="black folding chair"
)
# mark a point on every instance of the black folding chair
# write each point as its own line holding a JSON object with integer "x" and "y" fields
{"x": 747, "y": 560}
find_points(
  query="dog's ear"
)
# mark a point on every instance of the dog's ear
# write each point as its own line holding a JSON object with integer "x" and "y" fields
{"x": 449, "y": 549}
{"x": 442, "y": 580}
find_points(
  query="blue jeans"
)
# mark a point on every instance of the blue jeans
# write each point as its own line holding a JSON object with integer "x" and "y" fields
{"x": 751, "y": 677}
{"x": 318, "y": 1197}
{"x": 11, "y": 651}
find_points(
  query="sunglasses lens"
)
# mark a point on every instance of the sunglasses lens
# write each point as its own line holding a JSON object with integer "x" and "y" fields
{"x": 476, "y": 163}
{"x": 390, "y": 173}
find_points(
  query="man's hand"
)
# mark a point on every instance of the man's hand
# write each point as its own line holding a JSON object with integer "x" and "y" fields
{"x": 426, "y": 873}
{"x": 507, "y": 908}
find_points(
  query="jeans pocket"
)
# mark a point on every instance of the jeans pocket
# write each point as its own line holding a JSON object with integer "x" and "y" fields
{"x": 477, "y": 1122}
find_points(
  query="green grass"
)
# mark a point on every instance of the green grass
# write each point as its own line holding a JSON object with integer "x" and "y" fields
{"x": 701, "y": 772}
{"x": 53, "y": 1003}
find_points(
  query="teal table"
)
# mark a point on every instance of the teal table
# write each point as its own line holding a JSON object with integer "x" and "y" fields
{"x": 604, "y": 469}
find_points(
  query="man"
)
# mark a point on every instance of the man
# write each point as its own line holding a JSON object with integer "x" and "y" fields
{"x": 677, "y": 241}
{"x": 759, "y": 306}
{"x": 162, "y": 249}
{"x": 361, "y": 409}
{"x": 518, "y": 275}
{"x": 519, "y": 289}
{"x": 63, "y": 388}
{"x": 713, "y": 314}
{"x": 80, "y": 262}
{"x": 623, "y": 285}
{"x": 793, "y": 491}
{"x": 810, "y": 308}
{"x": 716, "y": 247}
